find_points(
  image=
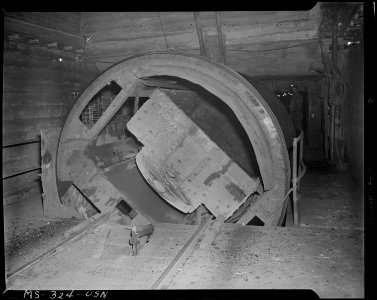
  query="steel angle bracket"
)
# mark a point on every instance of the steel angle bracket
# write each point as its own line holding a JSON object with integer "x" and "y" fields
{"x": 183, "y": 164}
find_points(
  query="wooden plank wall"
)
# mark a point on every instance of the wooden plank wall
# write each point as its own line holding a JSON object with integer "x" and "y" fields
{"x": 110, "y": 32}
{"x": 37, "y": 94}
{"x": 68, "y": 22}
{"x": 257, "y": 43}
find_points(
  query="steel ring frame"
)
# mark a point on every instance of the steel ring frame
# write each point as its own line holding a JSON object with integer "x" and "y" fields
{"x": 248, "y": 105}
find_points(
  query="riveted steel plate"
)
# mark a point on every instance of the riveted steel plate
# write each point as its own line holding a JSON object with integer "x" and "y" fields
{"x": 183, "y": 164}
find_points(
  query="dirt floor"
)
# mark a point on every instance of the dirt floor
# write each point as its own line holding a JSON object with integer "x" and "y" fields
{"x": 325, "y": 254}
{"x": 328, "y": 261}
{"x": 330, "y": 199}
{"x": 77, "y": 267}
{"x": 28, "y": 233}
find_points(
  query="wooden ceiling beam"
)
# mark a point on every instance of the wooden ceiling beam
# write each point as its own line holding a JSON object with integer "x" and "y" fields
{"x": 22, "y": 27}
{"x": 199, "y": 30}
{"x": 221, "y": 41}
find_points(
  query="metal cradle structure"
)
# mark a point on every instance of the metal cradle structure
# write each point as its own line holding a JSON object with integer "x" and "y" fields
{"x": 87, "y": 177}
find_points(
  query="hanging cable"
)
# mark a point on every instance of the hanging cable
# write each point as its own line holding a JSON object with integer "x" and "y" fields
{"x": 334, "y": 76}
{"x": 337, "y": 92}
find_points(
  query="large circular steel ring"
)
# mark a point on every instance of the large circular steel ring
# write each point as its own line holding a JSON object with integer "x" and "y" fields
{"x": 247, "y": 103}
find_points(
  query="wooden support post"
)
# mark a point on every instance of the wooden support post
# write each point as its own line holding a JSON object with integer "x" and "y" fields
{"x": 325, "y": 119}
{"x": 341, "y": 137}
{"x": 200, "y": 34}
{"x": 220, "y": 35}
{"x": 332, "y": 129}
{"x": 298, "y": 171}
{"x": 334, "y": 58}
{"x": 301, "y": 157}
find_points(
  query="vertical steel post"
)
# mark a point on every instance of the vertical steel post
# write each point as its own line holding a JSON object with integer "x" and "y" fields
{"x": 294, "y": 183}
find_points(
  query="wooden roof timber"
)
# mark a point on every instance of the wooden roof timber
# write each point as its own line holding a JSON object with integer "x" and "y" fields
{"x": 286, "y": 58}
{"x": 257, "y": 43}
{"x": 12, "y": 25}
{"x": 246, "y": 36}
